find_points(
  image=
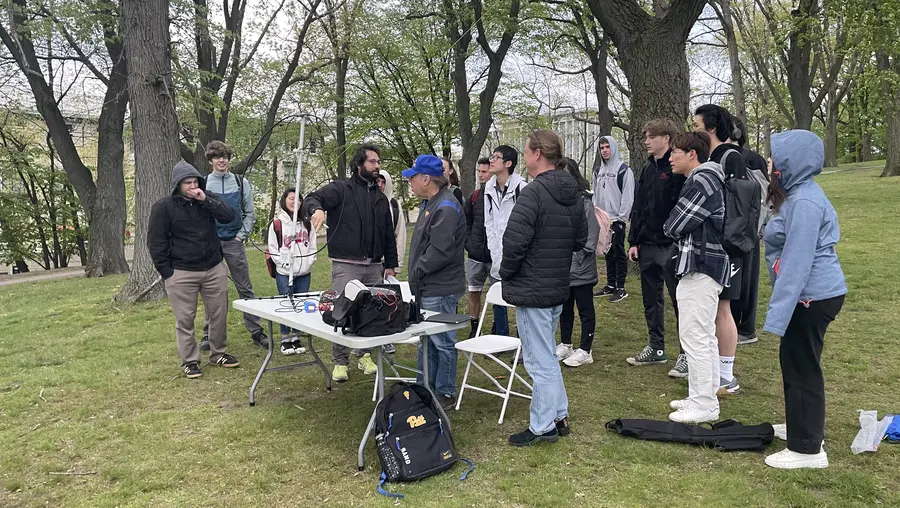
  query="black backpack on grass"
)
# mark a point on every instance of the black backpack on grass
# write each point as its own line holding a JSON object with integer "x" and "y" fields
{"x": 725, "y": 436}
{"x": 412, "y": 440}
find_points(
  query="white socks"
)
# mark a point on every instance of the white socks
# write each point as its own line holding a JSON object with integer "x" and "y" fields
{"x": 726, "y": 368}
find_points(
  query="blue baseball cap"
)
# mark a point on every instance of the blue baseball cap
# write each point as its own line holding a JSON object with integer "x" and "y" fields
{"x": 425, "y": 165}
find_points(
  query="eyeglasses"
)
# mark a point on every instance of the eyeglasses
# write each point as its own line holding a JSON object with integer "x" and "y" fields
{"x": 493, "y": 158}
{"x": 373, "y": 161}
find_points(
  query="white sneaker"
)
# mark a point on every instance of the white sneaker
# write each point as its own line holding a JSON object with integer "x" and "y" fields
{"x": 578, "y": 358}
{"x": 678, "y": 404}
{"x": 787, "y": 459}
{"x": 564, "y": 351}
{"x": 287, "y": 347}
{"x": 780, "y": 431}
{"x": 692, "y": 413}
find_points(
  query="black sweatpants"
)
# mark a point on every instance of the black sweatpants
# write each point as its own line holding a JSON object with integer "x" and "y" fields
{"x": 744, "y": 309}
{"x": 616, "y": 259}
{"x": 801, "y": 372}
{"x": 583, "y": 296}
{"x": 658, "y": 269}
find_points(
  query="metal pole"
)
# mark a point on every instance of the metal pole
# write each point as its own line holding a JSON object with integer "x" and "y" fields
{"x": 297, "y": 192}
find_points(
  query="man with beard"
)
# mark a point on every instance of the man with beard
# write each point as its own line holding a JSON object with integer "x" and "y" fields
{"x": 360, "y": 231}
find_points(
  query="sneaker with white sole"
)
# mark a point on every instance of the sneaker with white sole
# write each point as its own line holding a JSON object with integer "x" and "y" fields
{"x": 578, "y": 358}
{"x": 746, "y": 339}
{"x": 787, "y": 459}
{"x": 564, "y": 351}
{"x": 339, "y": 374}
{"x": 367, "y": 365}
{"x": 678, "y": 404}
{"x": 648, "y": 356}
{"x": 692, "y": 413}
{"x": 287, "y": 347}
{"x": 298, "y": 345}
{"x": 618, "y": 296}
{"x": 680, "y": 370}
{"x": 729, "y": 387}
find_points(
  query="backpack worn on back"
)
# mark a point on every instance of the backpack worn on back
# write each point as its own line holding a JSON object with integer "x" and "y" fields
{"x": 744, "y": 214}
{"x": 725, "y": 436}
{"x": 412, "y": 440}
{"x": 270, "y": 265}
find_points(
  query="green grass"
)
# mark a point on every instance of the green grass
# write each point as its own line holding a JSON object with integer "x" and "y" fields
{"x": 88, "y": 386}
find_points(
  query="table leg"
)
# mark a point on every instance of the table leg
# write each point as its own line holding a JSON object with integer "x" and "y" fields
{"x": 320, "y": 364}
{"x": 379, "y": 382}
{"x": 425, "y": 344}
{"x": 262, "y": 368}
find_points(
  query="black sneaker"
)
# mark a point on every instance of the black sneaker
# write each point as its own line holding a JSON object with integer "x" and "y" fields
{"x": 204, "y": 344}
{"x": 562, "y": 427}
{"x": 618, "y": 296}
{"x": 191, "y": 370}
{"x": 226, "y": 360}
{"x": 448, "y": 402}
{"x": 260, "y": 339}
{"x": 474, "y": 329}
{"x": 526, "y": 437}
{"x": 606, "y": 291}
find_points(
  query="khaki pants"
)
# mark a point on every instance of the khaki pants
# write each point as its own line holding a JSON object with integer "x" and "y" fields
{"x": 183, "y": 287}
{"x": 698, "y": 299}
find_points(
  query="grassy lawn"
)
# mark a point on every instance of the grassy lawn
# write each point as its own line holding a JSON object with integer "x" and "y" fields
{"x": 86, "y": 386}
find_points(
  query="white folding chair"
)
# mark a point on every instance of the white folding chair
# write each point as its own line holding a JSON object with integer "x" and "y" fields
{"x": 407, "y": 296}
{"x": 489, "y": 345}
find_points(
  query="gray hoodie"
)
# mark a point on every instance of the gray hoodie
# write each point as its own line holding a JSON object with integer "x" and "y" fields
{"x": 184, "y": 170}
{"x": 584, "y": 261}
{"x": 614, "y": 185}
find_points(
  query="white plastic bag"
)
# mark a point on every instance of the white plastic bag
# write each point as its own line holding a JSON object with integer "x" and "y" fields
{"x": 870, "y": 433}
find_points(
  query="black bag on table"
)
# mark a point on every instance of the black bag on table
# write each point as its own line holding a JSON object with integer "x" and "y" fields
{"x": 371, "y": 315}
{"x": 412, "y": 440}
{"x": 725, "y": 436}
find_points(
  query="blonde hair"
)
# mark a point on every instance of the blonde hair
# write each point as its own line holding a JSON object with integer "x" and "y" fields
{"x": 550, "y": 145}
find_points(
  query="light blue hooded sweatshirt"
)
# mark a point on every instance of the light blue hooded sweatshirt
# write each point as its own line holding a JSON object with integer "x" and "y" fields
{"x": 802, "y": 234}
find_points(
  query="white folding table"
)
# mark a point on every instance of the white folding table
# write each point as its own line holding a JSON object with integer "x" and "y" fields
{"x": 281, "y": 310}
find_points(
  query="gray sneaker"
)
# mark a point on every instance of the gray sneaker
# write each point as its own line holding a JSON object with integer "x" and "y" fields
{"x": 648, "y": 356}
{"x": 746, "y": 339}
{"x": 680, "y": 370}
{"x": 729, "y": 388}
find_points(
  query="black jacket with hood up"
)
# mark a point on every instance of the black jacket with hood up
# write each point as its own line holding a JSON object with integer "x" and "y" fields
{"x": 476, "y": 236}
{"x": 182, "y": 231}
{"x": 655, "y": 195}
{"x": 360, "y": 222}
{"x": 545, "y": 227}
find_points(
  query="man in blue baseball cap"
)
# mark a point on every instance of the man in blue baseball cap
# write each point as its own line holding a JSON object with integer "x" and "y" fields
{"x": 436, "y": 273}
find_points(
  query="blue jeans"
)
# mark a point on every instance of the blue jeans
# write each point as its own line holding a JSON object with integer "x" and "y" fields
{"x": 537, "y": 330}
{"x": 501, "y": 317}
{"x": 442, "y": 358}
{"x": 301, "y": 285}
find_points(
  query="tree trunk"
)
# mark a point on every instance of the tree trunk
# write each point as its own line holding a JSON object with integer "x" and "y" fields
{"x": 340, "y": 89}
{"x": 155, "y": 130}
{"x": 652, "y": 55}
{"x": 76, "y": 223}
{"x": 831, "y": 122}
{"x": 891, "y": 65}
{"x": 737, "y": 81}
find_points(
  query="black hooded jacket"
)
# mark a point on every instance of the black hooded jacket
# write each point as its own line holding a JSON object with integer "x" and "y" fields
{"x": 655, "y": 195}
{"x": 360, "y": 222}
{"x": 545, "y": 227}
{"x": 182, "y": 232}
{"x": 476, "y": 237}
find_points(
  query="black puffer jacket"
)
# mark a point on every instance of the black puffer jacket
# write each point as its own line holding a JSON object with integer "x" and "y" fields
{"x": 360, "y": 222}
{"x": 546, "y": 226}
{"x": 476, "y": 238}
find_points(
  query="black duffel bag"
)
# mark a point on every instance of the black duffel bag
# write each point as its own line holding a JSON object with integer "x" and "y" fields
{"x": 372, "y": 315}
{"x": 726, "y": 436}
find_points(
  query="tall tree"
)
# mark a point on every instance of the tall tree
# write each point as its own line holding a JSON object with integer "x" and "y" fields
{"x": 737, "y": 80}
{"x": 464, "y": 20}
{"x": 651, "y": 50}
{"x": 154, "y": 124}
{"x": 103, "y": 198}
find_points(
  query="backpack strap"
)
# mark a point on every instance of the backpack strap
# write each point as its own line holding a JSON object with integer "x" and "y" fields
{"x": 518, "y": 187}
{"x": 276, "y": 225}
{"x": 395, "y": 209}
{"x": 620, "y": 178}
